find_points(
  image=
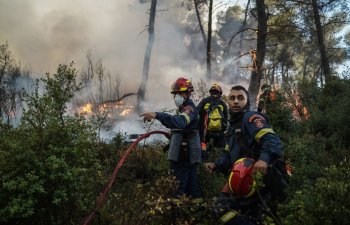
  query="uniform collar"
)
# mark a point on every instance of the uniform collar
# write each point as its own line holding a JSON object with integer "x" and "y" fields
{"x": 235, "y": 117}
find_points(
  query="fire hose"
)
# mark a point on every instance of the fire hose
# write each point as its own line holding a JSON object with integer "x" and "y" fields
{"x": 108, "y": 186}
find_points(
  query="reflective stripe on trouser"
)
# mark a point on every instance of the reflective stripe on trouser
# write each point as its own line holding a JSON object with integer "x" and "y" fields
{"x": 228, "y": 216}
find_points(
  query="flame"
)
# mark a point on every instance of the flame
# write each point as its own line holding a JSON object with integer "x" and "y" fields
{"x": 110, "y": 109}
{"x": 294, "y": 101}
{"x": 119, "y": 104}
{"x": 125, "y": 112}
{"x": 12, "y": 114}
{"x": 103, "y": 107}
{"x": 300, "y": 110}
{"x": 306, "y": 113}
{"x": 87, "y": 108}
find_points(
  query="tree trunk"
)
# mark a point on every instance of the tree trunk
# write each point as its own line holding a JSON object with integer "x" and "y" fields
{"x": 142, "y": 89}
{"x": 306, "y": 62}
{"x": 241, "y": 38}
{"x": 272, "y": 78}
{"x": 320, "y": 38}
{"x": 209, "y": 40}
{"x": 4, "y": 63}
{"x": 200, "y": 22}
{"x": 283, "y": 84}
{"x": 244, "y": 24}
{"x": 257, "y": 75}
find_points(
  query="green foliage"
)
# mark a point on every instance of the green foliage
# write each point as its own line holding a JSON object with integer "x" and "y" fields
{"x": 212, "y": 183}
{"x": 143, "y": 193}
{"x": 62, "y": 87}
{"x": 53, "y": 166}
{"x": 278, "y": 110}
{"x": 304, "y": 154}
{"x": 328, "y": 200}
{"x": 333, "y": 111}
{"x": 10, "y": 92}
{"x": 50, "y": 165}
{"x": 318, "y": 152}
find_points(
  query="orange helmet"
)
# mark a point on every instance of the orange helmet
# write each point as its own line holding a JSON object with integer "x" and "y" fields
{"x": 181, "y": 85}
{"x": 241, "y": 181}
{"x": 215, "y": 88}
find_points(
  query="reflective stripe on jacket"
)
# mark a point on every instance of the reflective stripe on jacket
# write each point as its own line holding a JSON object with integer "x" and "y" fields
{"x": 259, "y": 141}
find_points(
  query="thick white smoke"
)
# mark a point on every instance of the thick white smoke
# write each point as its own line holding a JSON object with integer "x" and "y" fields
{"x": 43, "y": 34}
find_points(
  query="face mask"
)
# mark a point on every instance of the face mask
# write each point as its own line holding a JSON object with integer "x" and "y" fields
{"x": 179, "y": 100}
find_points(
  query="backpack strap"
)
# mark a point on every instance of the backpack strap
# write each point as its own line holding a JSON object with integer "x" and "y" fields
{"x": 215, "y": 104}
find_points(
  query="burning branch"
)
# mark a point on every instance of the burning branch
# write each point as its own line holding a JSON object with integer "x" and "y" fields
{"x": 119, "y": 99}
{"x": 252, "y": 54}
{"x": 254, "y": 58}
{"x": 106, "y": 108}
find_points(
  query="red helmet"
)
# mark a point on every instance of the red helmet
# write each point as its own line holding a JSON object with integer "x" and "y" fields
{"x": 181, "y": 85}
{"x": 215, "y": 88}
{"x": 241, "y": 181}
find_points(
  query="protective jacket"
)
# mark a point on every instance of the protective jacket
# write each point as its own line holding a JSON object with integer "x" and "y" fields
{"x": 250, "y": 135}
{"x": 184, "y": 133}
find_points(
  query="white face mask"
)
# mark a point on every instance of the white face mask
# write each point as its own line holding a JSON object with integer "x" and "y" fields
{"x": 179, "y": 100}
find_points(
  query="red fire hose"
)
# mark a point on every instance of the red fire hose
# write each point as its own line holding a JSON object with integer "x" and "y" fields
{"x": 103, "y": 195}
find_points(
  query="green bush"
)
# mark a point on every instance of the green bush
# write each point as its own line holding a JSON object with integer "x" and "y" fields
{"x": 53, "y": 166}
{"x": 319, "y": 154}
{"x": 327, "y": 200}
{"x": 50, "y": 166}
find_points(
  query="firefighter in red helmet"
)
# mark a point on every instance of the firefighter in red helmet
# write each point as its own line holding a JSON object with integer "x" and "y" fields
{"x": 251, "y": 137}
{"x": 184, "y": 152}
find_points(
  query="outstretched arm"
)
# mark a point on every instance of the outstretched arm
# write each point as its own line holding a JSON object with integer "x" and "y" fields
{"x": 148, "y": 116}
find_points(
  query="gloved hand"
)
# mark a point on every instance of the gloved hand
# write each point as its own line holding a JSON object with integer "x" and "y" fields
{"x": 148, "y": 116}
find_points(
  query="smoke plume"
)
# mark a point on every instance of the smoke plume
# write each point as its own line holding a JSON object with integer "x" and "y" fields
{"x": 43, "y": 34}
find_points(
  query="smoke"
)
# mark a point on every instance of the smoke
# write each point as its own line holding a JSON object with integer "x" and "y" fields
{"x": 43, "y": 34}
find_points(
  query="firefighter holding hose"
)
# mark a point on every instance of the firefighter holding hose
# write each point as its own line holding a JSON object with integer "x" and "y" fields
{"x": 184, "y": 152}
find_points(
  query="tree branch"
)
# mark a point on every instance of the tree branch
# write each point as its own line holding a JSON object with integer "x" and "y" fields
{"x": 230, "y": 42}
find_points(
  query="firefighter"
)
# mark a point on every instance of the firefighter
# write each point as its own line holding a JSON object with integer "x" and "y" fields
{"x": 213, "y": 117}
{"x": 250, "y": 136}
{"x": 184, "y": 152}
